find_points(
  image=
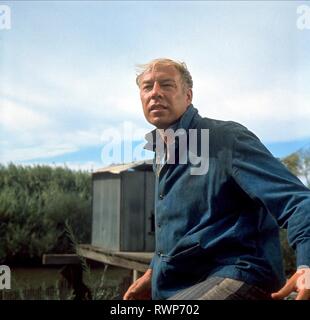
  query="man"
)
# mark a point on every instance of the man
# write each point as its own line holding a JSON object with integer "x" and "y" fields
{"x": 217, "y": 232}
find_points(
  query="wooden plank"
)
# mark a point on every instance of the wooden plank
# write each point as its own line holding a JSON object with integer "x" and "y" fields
{"x": 144, "y": 257}
{"x": 112, "y": 260}
{"x": 131, "y": 260}
{"x": 59, "y": 259}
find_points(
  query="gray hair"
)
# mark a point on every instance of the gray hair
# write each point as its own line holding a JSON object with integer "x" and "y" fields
{"x": 180, "y": 66}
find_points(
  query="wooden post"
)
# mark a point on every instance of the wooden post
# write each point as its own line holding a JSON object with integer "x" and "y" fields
{"x": 73, "y": 273}
{"x": 136, "y": 275}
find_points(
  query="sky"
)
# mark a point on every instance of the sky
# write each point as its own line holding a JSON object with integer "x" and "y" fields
{"x": 67, "y": 74}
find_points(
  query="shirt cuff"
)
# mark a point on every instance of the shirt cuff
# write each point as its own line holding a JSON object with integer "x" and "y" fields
{"x": 303, "y": 254}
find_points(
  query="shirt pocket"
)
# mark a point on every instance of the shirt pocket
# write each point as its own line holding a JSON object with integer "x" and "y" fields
{"x": 185, "y": 254}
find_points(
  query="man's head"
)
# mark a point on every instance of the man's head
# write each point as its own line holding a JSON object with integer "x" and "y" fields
{"x": 165, "y": 91}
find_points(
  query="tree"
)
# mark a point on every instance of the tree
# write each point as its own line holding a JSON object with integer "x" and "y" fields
{"x": 299, "y": 164}
{"x": 304, "y": 165}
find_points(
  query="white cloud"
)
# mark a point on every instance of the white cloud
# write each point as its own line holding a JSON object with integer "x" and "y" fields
{"x": 71, "y": 111}
{"x": 103, "y": 93}
{"x": 18, "y": 118}
{"x": 276, "y": 114}
{"x": 18, "y": 153}
{"x": 27, "y": 94}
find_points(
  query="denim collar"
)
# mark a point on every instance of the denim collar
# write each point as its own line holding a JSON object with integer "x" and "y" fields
{"x": 182, "y": 123}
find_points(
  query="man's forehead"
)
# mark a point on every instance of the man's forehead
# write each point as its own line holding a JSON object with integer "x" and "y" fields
{"x": 160, "y": 72}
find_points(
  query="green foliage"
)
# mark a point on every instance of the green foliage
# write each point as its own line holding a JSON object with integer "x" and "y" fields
{"x": 35, "y": 205}
{"x": 98, "y": 287}
{"x": 292, "y": 163}
{"x": 299, "y": 164}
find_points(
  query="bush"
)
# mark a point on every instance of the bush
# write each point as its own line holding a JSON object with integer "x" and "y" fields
{"x": 35, "y": 204}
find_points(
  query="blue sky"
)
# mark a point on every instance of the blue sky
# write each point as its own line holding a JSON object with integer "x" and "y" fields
{"x": 67, "y": 72}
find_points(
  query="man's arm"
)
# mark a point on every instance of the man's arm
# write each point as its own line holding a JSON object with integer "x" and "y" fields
{"x": 267, "y": 180}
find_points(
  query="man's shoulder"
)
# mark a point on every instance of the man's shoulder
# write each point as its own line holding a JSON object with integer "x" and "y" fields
{"x": 218, "y": 126}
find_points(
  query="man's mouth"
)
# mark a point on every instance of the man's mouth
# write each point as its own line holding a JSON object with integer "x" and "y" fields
{"x": 157, "y": 107}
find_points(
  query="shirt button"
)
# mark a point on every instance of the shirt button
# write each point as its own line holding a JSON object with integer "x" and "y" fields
{"x": 161, "y": 196}
{"x": 158, "y": 225}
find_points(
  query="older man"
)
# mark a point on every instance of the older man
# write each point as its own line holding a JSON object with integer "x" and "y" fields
{"x": 217, "y": 233}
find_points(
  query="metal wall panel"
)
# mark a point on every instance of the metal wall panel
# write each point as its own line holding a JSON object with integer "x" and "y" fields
{"x": 149, "y": 241}
{"x": 106, "y": 211}
{"x": 132, "y": 211}
{"x": 123, "y": 205}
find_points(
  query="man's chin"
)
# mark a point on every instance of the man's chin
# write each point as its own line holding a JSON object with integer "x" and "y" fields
{"x": 158, "y": 123}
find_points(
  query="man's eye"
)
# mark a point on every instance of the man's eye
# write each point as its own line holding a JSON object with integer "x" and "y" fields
{"x": 147, "y": 87}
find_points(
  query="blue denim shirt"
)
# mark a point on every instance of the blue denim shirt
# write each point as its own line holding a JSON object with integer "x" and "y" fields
{"x": 226, "y": 222}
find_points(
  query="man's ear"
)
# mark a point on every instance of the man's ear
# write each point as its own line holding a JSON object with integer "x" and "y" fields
{"x": 189, "y": 95}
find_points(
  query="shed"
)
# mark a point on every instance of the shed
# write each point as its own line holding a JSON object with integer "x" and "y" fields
{"x": 123, "y": 207}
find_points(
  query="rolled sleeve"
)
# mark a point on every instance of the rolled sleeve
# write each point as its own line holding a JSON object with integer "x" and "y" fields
{"x": 303, "y": 254}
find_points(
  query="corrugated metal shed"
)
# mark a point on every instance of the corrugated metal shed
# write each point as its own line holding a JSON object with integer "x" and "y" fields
{"x": 123, "y": 207}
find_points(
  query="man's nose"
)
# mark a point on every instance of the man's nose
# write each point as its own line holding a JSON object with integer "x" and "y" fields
{"x": 156, "y": 91}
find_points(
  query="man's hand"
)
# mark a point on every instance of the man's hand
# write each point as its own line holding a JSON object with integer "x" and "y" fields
{"x": 300, "y": 282}
{"x": 140, "y": 289}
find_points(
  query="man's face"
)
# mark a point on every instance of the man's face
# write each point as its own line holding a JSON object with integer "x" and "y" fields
{"x": 163, "y": 95}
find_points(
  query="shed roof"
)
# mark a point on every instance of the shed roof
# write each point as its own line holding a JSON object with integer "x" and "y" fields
{"x": 131, "y": 166}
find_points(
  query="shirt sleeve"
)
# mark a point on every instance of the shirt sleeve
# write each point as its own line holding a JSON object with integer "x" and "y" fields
{"x": 151, "y": 263}
{"x": 266, "y": 180}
